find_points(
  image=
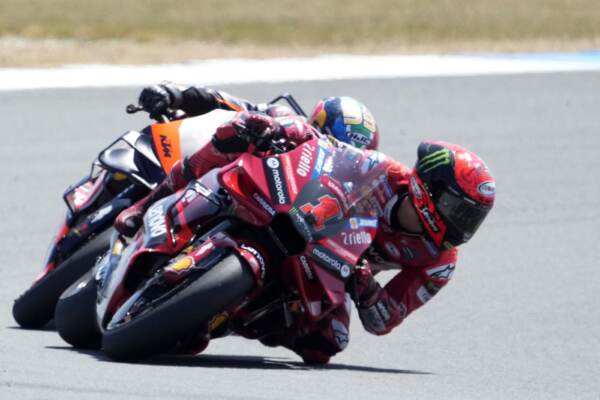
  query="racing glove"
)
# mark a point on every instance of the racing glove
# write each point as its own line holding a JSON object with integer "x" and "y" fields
{"x": 156, "y": 99}
{"x": 363, "y": 287}
{"x": 246, "y": 133}
{"x": 375, "y": 309}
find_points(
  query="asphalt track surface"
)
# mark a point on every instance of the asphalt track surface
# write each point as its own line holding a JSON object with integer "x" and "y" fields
{"x": 520, "y": 319}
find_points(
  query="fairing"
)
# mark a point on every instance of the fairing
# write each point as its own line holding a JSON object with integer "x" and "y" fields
{"x": 132, "y": 155}
{"x": 316, "y": 194}
{"x": 324, "y": 188}
{"x": 178, "y": 139}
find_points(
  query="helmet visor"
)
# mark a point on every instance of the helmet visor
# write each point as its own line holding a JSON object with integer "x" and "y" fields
{"x": 462, "y": 215}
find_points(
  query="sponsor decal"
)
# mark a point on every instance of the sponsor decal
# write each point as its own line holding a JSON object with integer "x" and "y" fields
{"x": 217, "y": 321}
{"x": 360, "y": 138}
{"x": 441, "y": 272}
{"x": 341, "y": 250}
{"x": 166, "y": 139}
{"x": 340, "y": 333}
{"x": 117, "y": 248}
{"x": 81, "y": 194}
{"x": 392, "y": 249}
{"x": 259, "y": 258}
{"x": 435, "y": 160}
{"x": 337, "y": 190}
{"x": 423, "y": 294}
{"x": 356, "y": 223}
{"x": 272, "y": 162}
{"x": 320, "y": 160}
{"x": 326, "y": 209}
{"x": 289, "y": 173}
{"x": 156, "y": 221}
{"x": 374, "y": 159}
{"x": 348, "y": 186}
{"x": 414, "y": 186}
{"x": 165, "y": 146}
{"x": 301, "y": 224}
{"x": 189, "y": 196}
{"x": 487, "y": 189}
{"x": 263, "y": 203}
{"x": 345, "y": 271}
{"x": 368, "y": 120}
{"x": 203, "y": 190}
{"x": 203, "y": 249}
{"x": 429, "y": 219}
{"x": 277, "y": 184}
{"x": 328, "y": 165}
{"x": 356, "y": 238}
{"x": 368, "y": 223}
{"x": 305, "y": 160}
{"x": 182, "y": 265}
{"x": 306, "y": 268}
{"x": 101, "y": 213}
{"x": 331, "y": 261}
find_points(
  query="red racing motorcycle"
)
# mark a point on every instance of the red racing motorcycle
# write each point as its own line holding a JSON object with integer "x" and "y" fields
{"x": 258, "y": 248}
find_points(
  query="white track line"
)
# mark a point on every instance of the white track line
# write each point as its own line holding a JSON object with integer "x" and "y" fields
{"x": 224, "y": 71}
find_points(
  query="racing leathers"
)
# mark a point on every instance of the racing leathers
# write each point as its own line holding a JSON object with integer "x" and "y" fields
{"x": 424, "y": 269}
{"x": 196, "y": 100}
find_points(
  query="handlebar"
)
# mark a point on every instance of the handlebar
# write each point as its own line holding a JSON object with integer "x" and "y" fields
{"x": 277, "y": 146}
{"x": 167, "y": 116}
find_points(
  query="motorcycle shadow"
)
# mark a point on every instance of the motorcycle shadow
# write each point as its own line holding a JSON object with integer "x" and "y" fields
{"x": 49, "y": 327}
{"x": 242, "y": 362}
{"x": 257, "y": 362}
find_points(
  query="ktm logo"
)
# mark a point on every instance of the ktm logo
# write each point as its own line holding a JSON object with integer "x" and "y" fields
{"x": 166, "y": 147}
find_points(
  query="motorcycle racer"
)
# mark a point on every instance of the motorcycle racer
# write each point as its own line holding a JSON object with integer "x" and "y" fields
{"x": 424, "y": 213}
{"x": 347, "y": 119}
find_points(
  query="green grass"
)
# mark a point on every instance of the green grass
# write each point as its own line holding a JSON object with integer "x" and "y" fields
{"x": 378, "y": 23}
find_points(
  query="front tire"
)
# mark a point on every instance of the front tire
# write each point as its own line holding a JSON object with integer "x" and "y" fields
{"x": 35, "y": 308}
{"x": 75, "y": 314}
{"x": 158, "y": 330}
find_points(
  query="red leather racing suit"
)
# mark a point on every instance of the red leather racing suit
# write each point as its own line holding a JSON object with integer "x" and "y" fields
{"x": 423, "y": 271}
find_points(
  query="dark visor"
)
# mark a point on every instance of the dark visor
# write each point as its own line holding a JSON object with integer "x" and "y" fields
{"x": 462, "y": 216}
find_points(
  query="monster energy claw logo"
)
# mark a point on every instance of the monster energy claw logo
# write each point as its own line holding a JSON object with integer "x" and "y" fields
{"x": 434, "y": 160}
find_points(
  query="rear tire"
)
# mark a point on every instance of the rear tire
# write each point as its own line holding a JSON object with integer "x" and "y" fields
{"x": 35, "y": 308}
{"x": 159, "y": 329}
{"x": 75, "y": 314}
